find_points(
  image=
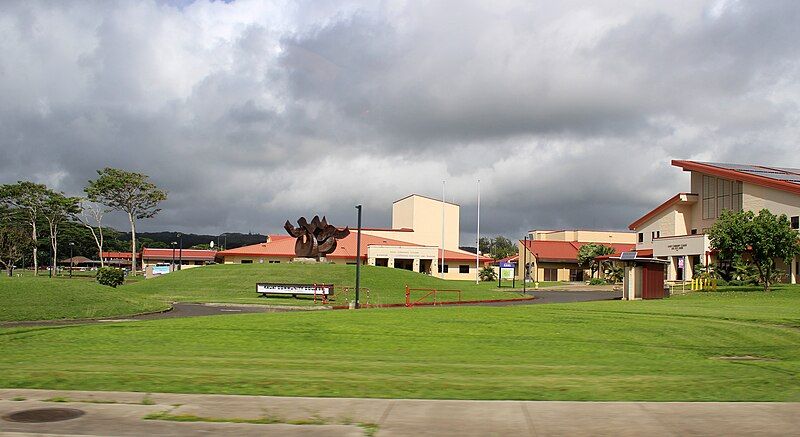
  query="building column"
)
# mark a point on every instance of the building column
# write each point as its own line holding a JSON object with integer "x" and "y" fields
{"x": 390, "y": 263}
{"x": 672, "y": 268}
{"x": 793, "y": 276}
{"x": 415, "y": 265}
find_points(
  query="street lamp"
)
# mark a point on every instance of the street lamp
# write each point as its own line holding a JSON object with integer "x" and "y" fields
{"x": 172, "y": 266}
{"x": 71, "y": 260}
{"x": 358, "y": 256}
{"x": 180, "y": 250}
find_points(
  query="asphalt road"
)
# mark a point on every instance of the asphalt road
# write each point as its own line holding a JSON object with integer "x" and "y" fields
{"x": 182, "y": 310}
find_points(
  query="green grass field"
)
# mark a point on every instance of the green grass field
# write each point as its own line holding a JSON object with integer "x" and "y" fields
{"x": 39, "y": 298}
{"x": 44, "y": 298}
{"x": 724, "y": 346}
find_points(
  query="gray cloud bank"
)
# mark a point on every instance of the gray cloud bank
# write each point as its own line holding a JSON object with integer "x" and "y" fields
{"x": 250, "y": 113}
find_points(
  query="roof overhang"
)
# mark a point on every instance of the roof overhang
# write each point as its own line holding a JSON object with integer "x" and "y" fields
{"x": 680, "y": 198}
{"x": 737, "y": 175}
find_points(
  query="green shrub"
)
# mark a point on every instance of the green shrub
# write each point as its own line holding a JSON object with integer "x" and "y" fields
{"x": 110, "y": 276}
{"x": 488, "y": 274}
{"x": 597, "y": 281}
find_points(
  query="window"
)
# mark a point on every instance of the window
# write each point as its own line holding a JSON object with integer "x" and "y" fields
{"x": 720, "y": 195}
{"x": 551, "y": 275}
{"x": 274, "y": 262}
{"x": 694, "y": 231}
{"x": 641, "y": 237}
{"x": 446, "y": 269}
{"x": 709, "y": 197}
{"x": 247, "y": 261}
{"x": 796, "y": 222}
{"x": 463, "y": 269}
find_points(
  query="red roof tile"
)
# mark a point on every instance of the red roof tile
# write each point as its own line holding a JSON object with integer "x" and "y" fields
{"x": 116, "y": 255}
{"x": 345, "y": 248}
{"x": 567, "y": 250}
{"x": 185, "y": 254}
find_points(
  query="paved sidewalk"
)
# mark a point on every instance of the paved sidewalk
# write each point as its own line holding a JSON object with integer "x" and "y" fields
{"x": 123, "y": 413}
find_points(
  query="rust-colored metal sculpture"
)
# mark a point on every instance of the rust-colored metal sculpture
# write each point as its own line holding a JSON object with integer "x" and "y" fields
{"x": 314, "y": 239}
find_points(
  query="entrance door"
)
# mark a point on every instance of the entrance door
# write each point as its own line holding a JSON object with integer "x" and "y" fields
{"x": 425, "y": 266}
{"x": 576, "y": 275}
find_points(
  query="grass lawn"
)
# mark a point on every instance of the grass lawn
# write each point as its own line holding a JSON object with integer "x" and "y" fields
{"x": 237, "y": 283}
{"x": 669, "y": 350}
{"x": 39, "y": 298}
{"x": 44, "y": 298}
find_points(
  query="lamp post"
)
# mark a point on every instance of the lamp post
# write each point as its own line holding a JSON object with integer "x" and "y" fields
{"x": 525, "y": 265}
{"x": 358, "y": 255}
{"x": 172, "y": 266}
{"x": 180, "y": 250}
{"x": 71, "y": 261}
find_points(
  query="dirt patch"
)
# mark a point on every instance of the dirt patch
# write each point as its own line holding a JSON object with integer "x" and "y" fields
{"x": 42, "y": 415}
{"x": 743, "y": 358}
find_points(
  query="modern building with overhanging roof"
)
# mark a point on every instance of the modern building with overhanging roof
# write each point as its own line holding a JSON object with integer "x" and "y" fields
{"x": 677, "y": 229}
{"x": 414, "y": 242}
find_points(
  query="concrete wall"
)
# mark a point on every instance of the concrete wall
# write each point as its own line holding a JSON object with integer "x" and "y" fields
{"x": 755, "y": 198}
{"x": 424, "y": 216}
{"x": 586, "y": 236}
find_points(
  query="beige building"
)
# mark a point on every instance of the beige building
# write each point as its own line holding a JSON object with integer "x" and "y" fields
{"x": 412, "y": 243}
{"x": 676, "y": 230}
{"x": 553, "y": 255}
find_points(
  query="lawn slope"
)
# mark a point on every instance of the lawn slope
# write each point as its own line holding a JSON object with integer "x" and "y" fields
{"x": 672, "y": 350}
{"x": 44, "y": 298}
{"x": 237, "y": 283}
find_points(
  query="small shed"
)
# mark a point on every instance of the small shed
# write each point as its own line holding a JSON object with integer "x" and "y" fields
{"x": 644, "y": 277}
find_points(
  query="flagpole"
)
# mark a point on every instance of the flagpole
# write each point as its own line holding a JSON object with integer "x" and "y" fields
{"x": 478, "y": 240}
{"x": 441, "y": 266}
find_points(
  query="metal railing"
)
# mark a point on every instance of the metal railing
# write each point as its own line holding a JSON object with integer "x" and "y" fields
{"x": 429, "y": 292}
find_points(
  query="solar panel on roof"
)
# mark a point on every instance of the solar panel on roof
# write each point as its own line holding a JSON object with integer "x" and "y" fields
{"x": 628, "y": 255}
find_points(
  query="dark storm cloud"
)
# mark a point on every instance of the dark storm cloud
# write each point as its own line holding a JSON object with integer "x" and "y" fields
{"x": 250, "y": 113}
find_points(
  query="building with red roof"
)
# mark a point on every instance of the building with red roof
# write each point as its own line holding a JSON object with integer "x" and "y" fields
{"x": 557, "y": 259}
{"x": 176, "y": 258}
{"x": 676, "y": 230}
{"x": 414, "y": 242}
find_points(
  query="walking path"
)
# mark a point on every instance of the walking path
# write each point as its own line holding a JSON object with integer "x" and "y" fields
{"x": 123, "y": 414}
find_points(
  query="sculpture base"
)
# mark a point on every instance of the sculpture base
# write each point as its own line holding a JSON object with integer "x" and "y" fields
{"x": 301, "y": 260}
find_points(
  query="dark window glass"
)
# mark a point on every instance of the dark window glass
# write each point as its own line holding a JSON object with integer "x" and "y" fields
{"x": 463, "y": 269}
{"x": 641, "y": 237}
{"x": 796, "y": 222}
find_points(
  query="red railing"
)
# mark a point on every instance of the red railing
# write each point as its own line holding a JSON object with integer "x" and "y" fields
{"x": 429, "y": 292}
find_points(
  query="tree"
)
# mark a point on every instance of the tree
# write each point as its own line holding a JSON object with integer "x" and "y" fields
{"x": 57, "y": 209}
{"x": 92, "y": 217}
{"x": 588, "y": 253}
{"x": 765, "y": 237}
{"x": 131, "y": 193}
{"x": 498, "y": 247}
{"x": 15, "y": 240}
{"x": 30, "y": 199}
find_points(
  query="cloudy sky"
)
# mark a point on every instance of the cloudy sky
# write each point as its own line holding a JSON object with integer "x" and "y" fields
{"x": 252, "y": 112}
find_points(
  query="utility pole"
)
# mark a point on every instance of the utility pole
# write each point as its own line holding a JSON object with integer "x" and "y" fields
{"x": 180, "y": 251}
{"x": 71, "y": 260}
{"x": 525, "y": 265}
{"x": 173, "y": 244}
{"x": 441, "y": 266}
{"x": 358, "y": 256}
{"x": 478, "y": 240}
